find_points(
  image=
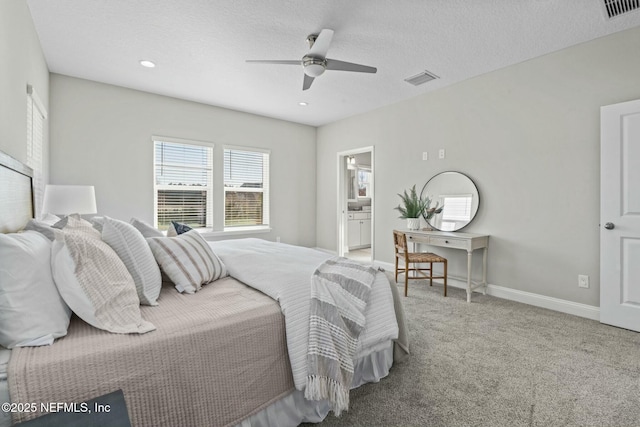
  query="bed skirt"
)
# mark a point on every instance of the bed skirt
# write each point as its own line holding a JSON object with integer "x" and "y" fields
{"x": 294, "y": 409}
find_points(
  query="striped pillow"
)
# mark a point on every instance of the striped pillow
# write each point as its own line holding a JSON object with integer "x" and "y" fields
{"x": 188, "y": 260}
{"x": 146, "y": 229}
{"x": 133, "y": 250}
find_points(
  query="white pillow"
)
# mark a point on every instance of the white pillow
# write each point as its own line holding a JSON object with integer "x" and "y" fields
{"x": 49, "y": 219}
{"x": 41, "y": 227}
{"x": 94, "y": 282}
{"x": 146, "y": 229}
{"x": 188, "y": 260}
{"x": 32, "y": 312}
{"x": 134, "y": 251}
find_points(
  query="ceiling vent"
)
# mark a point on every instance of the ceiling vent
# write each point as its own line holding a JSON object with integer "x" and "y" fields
{"x": 615, "y": 8}
{"x": 424, "y": 77}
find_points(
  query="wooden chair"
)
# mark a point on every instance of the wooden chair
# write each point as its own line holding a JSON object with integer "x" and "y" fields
{"x": 402, "y": 252}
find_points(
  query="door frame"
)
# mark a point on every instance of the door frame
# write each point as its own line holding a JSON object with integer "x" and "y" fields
{"x": 342, "y": 203}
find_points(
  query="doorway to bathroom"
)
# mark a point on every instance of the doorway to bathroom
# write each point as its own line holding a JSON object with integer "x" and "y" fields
{"x": 356, "y": 204}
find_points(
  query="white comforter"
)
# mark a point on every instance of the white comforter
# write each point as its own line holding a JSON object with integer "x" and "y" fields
{"x": 284, "y": 272}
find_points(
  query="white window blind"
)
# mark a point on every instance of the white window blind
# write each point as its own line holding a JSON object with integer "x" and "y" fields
{"x": 246, "y": 187}
{"x": 457, "y": 207}
{"x": 183, "y": 183}
{"x": 36, "y": 116}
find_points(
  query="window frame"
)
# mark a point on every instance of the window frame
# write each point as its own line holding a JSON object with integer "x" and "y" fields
{"x": 36, "y": 139}
{"x": 210, "y": 189}
{"x": 265, "y": 190}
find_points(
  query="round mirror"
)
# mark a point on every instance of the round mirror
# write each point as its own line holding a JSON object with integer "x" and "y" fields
{"x": 454, "y": 201}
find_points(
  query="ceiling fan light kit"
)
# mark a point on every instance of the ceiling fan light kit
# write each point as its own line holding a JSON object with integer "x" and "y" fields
{"x": 315, "y": 62}
{"x": 313, "y": 67}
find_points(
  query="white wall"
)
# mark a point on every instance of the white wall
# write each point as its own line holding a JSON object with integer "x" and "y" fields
{"x": 528, "y": 135}
{"x": 21, "y": 62}
{"x": 101, "y": 135}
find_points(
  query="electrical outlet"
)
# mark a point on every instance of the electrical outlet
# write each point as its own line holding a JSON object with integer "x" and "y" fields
{"x": 278, "y": 239}
{"x": 441, "y": 153}
{"x": 583, "y": 281}
{"x": 425, "y": 155}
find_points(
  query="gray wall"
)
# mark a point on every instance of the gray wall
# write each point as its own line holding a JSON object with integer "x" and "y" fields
{"x": 101, "y": 135}
{"x": 21, "y": 62}
{"x": 528, "y": 135}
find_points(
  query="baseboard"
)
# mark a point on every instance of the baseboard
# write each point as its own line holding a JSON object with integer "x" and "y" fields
{"x": 556, "y": 304}
{"x": 326, "y": 250}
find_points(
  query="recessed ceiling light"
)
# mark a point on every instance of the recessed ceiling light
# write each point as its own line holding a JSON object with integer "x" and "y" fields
{"x": 302, "y": 104}
{"x": 146, "y": 63}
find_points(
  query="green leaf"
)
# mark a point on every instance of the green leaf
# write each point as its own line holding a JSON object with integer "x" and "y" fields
{"x": 412, "y": 206}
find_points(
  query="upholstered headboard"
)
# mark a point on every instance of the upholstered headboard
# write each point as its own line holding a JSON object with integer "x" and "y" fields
{"x": 16, "y": 194}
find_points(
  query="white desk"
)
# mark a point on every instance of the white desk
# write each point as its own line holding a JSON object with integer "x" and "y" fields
{"x": 455, "y": 240}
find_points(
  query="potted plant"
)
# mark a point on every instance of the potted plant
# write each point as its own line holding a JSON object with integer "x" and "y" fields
{"x": 429, "y": 212}
{"x": 412, "y": 207}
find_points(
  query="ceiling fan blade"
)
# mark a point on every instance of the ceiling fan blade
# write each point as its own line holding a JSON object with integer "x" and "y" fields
{"x": 306, "y": 84}
{"x": 269, "y": 61}
{"x": 333, "y": 64}
{"x": 321, "y": 45}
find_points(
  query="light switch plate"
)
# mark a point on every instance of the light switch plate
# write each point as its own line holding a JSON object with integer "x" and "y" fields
{"x": 425, "y": 155}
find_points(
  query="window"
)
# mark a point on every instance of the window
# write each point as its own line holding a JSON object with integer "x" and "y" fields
{"x": 246, "y": 187}
{"x": 36, "y": 116}
{"x": 183, "y": 183}
{"x": 364, "y": 183}
{"x": 457, "y": 208}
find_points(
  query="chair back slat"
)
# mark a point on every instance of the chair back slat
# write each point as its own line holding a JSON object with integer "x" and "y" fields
{"x": 400, "y": 242}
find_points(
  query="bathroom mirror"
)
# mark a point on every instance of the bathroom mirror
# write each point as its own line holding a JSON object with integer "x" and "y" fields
{"x": 459, "y": 196}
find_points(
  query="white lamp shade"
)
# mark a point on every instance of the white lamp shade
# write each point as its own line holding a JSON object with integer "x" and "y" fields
{"x": 68, "y": 199}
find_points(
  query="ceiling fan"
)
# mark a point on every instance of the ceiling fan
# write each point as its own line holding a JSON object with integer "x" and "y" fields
{"x": 315, "y": 62}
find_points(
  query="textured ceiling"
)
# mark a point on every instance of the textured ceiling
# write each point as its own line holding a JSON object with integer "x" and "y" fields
{"x": 200, "y": 46}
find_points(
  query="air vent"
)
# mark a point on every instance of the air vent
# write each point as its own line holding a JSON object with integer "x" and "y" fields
{"x": 615, "y": 8}
{"x": 424, "y": 77}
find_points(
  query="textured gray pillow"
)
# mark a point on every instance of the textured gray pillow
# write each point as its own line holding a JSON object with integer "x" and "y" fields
{"x": 94, "y": 282}
{"x": 134, "y": 251}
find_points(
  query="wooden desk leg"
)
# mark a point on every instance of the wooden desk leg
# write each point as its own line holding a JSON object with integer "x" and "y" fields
{"x": 469, "y": 256}
{"x": 484, "y": 270}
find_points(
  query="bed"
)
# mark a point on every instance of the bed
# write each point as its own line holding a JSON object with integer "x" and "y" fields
{"x": 226, "y": 355}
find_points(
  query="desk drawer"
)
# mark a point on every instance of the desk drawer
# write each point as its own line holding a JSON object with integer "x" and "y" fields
{"x": 448, "y": 242}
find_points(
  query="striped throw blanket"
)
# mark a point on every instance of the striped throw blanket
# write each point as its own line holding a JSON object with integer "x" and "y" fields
{"x": 340, "y": 291}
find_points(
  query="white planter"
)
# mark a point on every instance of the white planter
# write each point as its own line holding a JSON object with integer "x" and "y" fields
{"x": 413, "y": 223}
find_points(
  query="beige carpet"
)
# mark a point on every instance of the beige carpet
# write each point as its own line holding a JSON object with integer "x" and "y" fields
{"x": 500, "y": 363}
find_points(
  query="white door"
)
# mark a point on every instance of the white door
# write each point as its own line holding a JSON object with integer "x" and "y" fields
{"x": 620, "y": 215}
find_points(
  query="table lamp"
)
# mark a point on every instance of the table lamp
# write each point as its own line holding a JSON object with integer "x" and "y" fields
{"x": 69, "y": 199}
